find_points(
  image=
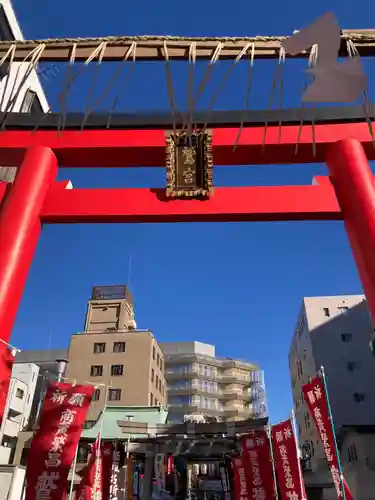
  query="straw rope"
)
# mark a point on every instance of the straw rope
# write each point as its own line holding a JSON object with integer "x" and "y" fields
{"x": 358, "y": 37}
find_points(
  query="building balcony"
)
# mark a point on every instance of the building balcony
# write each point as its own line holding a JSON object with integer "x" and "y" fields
{"x": 194, "y": 408}
{"x": 11, "y": 428}
{"x": 209, "y": 360}
{"x": 240, "y": 412}
{"x": 194, "y": 390}
{"x": 236, "y": 378}
{"x": 235, "y": 394}
{"x": 173, "y": 375}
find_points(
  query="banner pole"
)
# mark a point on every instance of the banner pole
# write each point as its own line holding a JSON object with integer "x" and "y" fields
{"x": 98, "y": 461}
{"x": 273, "y": 463}
{"x": 330, "y": 416}
{"x": 298, "y": 450}
{"x": 73, "y": 474}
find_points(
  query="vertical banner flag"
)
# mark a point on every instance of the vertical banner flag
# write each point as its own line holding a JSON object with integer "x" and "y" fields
{"x": 256, "y": 453}
{"x": 239, "y": 479}
{"x": 287, "y": 462}
{"x": 316, "y": 401}
{"x": 108, "y": 456}
{"x": 88, "y": 481}
{"x": 54, "y": 445}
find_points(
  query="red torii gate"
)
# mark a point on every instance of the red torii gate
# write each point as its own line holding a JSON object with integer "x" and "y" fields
{"x": 35, "y": 197}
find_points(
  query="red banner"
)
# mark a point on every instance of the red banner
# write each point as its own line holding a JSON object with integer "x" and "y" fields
{"x": 85, "y": 488}
{"x": 108, "y": 452}
{"x": 239, "y": 478}
{"x": 55, "y": 443}
{"x": 256, "y": 453}
{"x": 316, "y": 401}
{"x": 287, "y": 463}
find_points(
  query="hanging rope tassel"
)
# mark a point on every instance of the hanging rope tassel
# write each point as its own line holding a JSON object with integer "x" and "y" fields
{"x": 313, "y": 57}
{"x": 133, "y": 52}
{"x": 170, "y": 88}
{"x": 222, "y": 83}
{"x": 247, "y": 95}
{"x": 366, "y": 101}
{"x": 273, "y": 89}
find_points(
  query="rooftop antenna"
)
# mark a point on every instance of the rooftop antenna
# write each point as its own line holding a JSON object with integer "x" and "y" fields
{"x": 129, "y": 269}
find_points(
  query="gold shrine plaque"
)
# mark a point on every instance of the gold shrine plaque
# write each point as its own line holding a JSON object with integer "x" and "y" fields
{"x": 189, "y": 164}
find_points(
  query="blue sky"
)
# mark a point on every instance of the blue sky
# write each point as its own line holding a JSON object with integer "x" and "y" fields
{"x": 239, "y": 285}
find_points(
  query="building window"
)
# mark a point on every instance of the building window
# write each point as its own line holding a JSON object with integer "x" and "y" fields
{"x": 157, "y": 381}
{"x": 99, "y": 347}
{"x": 83, "y": 453}
{"x": 151, "y": 399}
{"x": 157, "y": 359}
{"x": 153, "y": 352}
{"x": 19, "y": 393}
{"x": 352, "y": 366}
{"x": 117, "y": 370}
{"x": 346, "y": 337}
{"x": 160, "y": 385}
{"x": 31, "y": 103}
{"x": 96, "y": 395}
{"x": 119, "y": 347}
{"x": 89, "y": 424}
{"x": 114, "y": 394}
{"x": 343, "y": 309}
{"x": 352, "y": 453}
{"x": 161, "y": 365}
{"x": 96, "y": 371}
{"x": 152, "y": 374}
{"x": 156, "y": 402}
{"x": 359, "y": 397}
{"x": 326, "y": 312}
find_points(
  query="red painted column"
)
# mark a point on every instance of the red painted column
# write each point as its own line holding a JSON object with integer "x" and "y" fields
{"x": 20, "y": 227}
{"x": 354, "y": 185}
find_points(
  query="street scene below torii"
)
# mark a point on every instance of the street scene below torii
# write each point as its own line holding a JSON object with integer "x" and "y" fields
{"x": 148, "y": 131}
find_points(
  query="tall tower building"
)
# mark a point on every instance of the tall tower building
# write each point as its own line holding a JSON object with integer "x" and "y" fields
{"x": 333, "y": 332}
{"x": 125, "y": 364}
{"x": 204, "y": 386}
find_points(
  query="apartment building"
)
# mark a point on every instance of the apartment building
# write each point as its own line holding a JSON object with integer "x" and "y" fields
{"x": 334, "y": 332}
{"x": 22, "y": 92}
{"x": 46, "y": 361}
{"x": 202, "y": 385}
{"x": 17, "y": 408}
{"x": 125, "y": 364}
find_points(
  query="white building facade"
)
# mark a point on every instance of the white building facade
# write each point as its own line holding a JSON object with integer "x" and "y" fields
{"x": 334, "y": 332}
{"x": 20, "y": 88}
{"x": 18, "y": 406}
{"x": 204, "y": 387}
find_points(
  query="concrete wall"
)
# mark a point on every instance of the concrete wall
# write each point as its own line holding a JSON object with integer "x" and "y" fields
{"x": 142, "y": 361}
{"x": 334, "y": 332}
{"x": 188, "y": 348}
{"x": 12, "y": 480}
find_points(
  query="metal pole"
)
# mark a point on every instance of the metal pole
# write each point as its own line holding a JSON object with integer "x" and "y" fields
{"x": 268, "y": 431}
{"x": 298, "y": 450}
{"x": 98, "y": 455}
{"x": 73, "y": 474}
{"x": 333, "y": 431}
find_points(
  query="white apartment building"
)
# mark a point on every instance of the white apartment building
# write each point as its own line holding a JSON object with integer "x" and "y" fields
{"x": 334, "y": 332}
{"x": 18, "y": 407}
{"x": 201, "y": 385}
{"x": 20, "y": 88}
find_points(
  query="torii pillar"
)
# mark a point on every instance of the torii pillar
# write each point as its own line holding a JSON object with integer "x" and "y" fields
{"x": 20, "y": 227}
{"x": 353, "y": 182}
